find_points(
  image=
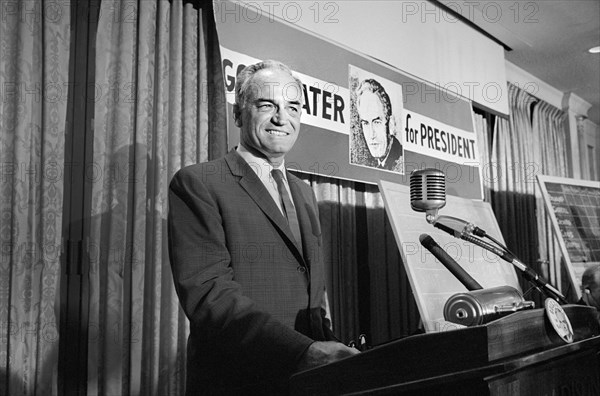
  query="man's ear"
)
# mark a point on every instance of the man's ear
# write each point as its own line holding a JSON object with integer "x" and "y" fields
{"x": 237, "y": 116}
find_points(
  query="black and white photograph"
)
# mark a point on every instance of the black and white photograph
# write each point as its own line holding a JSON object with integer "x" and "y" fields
{"x": 299, "y": 198}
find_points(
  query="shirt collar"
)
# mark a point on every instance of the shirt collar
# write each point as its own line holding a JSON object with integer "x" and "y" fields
{"x": 259, "y": 165}
{"x": 382, "y": 160}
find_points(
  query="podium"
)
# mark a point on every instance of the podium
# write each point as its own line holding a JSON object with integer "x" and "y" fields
{"x": 519, "y": 354}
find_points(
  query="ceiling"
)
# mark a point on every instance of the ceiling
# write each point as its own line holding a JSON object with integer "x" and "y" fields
{"x": 547, "y": 38}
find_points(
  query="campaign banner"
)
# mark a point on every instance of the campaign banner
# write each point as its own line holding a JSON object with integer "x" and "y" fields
{"x": 361, "y": 119}
{"x": 436, "y": 139}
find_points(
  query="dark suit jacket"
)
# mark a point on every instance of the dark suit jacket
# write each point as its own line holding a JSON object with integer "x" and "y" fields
{"x": 253, "y": 300}
{"x": 393, "y": 159}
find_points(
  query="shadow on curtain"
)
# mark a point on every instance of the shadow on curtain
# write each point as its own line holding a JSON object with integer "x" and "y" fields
{"x": 161, "y": 107}
{"x": 531, "y": 142}
{"x": 34, "y": 70}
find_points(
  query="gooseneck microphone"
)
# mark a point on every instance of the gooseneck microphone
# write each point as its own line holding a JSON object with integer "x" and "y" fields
{"x": 448, "y": 262}
{"x": 528, "y": 273}
{"x": 428, "y": 194}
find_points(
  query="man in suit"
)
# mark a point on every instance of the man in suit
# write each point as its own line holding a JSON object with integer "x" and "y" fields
{"x": 246, "y": 261}
{"x": 375, "y": 114}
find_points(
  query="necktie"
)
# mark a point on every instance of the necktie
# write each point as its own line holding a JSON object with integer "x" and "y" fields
{"x": 288, "y": 206}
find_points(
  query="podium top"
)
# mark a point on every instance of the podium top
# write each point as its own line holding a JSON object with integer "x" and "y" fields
{"x": 436, "y": 354}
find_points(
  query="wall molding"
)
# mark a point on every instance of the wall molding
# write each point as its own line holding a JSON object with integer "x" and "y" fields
{"x": 534, "y": 85}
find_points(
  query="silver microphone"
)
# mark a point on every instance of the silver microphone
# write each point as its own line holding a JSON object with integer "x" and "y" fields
{"x": 428, "y": 194}
{"x": 427, "y": 191}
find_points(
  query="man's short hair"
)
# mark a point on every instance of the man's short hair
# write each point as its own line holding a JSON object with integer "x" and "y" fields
{"x": 373, "y": 86}
{"x": 590, "y": 278}
{"x": 243, "y": 82}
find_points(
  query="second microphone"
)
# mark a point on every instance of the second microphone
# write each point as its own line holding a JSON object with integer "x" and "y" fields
{"x": 448, "y": 262}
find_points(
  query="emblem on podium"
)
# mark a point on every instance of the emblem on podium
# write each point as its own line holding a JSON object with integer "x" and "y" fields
{"x": 559, "y": 320}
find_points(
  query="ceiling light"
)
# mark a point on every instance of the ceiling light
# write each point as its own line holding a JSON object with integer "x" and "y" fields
{"x": 594, "y": 50}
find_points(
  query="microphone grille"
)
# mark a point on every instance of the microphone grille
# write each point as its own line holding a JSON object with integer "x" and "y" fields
{"x": 427, "y": 189}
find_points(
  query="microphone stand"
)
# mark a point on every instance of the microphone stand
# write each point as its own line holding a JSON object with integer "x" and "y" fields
{"x": 462, "y": 229}
{"x": 527, "y": 272}
{"x": 432, "y": 180}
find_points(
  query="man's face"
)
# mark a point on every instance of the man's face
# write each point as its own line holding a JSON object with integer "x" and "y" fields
{"x": 373, "y": 123}
{"x": 270, "y": 119}
{"x": 595, "y": 296}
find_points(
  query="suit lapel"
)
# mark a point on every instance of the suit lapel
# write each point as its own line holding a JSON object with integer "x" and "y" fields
{"x": 250, "y": 182}
{"x": 306, "y": 216}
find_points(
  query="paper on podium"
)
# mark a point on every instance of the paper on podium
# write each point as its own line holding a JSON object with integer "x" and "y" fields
{"x": 431, "y": 282}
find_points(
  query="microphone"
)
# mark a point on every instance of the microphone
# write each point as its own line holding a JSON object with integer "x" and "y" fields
{"x": 428, "y": 194}
{"x": 448, "y": 262}
{"x": 527, "y": 272}
{"x": 427, "y": 191}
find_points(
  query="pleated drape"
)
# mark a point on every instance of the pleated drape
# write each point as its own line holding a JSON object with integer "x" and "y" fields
{"x": 531, "y": 142}
{"x": 483, "y": 127}
{"x": 163, "y": 109}
{"x": 34, "y": 75}
{"x": 513, "y": 181}
{"x": 548, "y": 126}
{"x": 368, "y": 289}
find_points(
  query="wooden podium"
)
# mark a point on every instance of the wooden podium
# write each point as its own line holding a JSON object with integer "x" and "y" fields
{"x": 519, "y": 354}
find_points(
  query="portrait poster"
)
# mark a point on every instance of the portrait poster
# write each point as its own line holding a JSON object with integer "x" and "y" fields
{"x": 375, "y": 121}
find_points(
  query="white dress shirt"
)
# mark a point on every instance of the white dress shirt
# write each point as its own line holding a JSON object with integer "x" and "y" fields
{"x": 263, "y": 169}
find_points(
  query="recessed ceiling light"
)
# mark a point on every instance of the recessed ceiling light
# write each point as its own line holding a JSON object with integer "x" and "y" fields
{"x": 594, "y": 50}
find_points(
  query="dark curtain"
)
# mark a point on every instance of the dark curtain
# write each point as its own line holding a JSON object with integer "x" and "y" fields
{"x": 368, "y": 288}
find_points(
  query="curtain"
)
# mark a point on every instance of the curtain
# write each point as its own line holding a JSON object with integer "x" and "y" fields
{"x": 531, "y": 142}
{"x": 368, "y": 289}
{"x": 483, "y": 130}
{"x": 548, "y": 126}
{"x": 160, "y": 72}
{"x": 393, "y": 311}
{"x": 513, "y": 197}
{"x": 34, "y": 56}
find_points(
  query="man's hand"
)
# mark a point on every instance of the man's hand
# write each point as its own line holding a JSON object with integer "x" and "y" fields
{"x": 323, "y": 352}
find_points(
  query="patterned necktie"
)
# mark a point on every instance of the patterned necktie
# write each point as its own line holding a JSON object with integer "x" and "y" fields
{"x": 288, "y": 206}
